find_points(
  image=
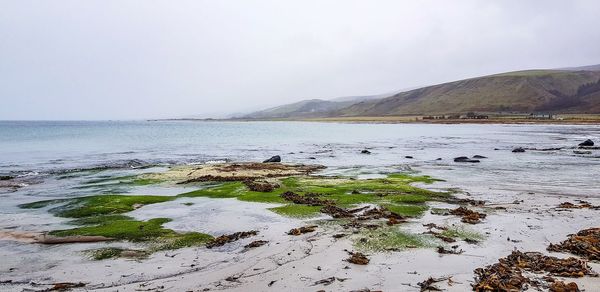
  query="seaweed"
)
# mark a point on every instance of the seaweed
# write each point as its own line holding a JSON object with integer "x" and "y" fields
{"x": 586, "y": 243}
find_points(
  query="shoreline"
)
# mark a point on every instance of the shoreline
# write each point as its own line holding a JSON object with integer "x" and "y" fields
{"x": 408, "y": 120}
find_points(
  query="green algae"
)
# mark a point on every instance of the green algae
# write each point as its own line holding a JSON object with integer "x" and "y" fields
{"x": 105, "y": 253}
{"x": 391, "y": 239}
{"x": 219, "y": 191}
{"x": 126, "y": 228}
{"x": 129, "y": 180}
{"x": 174, "y": 240}
{"x": 407, "y": 210}
{"x": 116, "y": 252}
{"x": 102, "y": 215}
{"x": 297, "y": 211}
{"x": 95, "y": 220}
{"x": 123, "y": 229}
{"x": 463, "y": 233}
{"x": 394, "y": 192}
{"x": 97, "y": 205}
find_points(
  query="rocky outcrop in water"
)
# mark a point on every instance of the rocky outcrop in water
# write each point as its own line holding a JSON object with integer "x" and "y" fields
{"x": 587, "y": 143}
{"x": 275, "y": 158}
{"x": 465, "y": 159}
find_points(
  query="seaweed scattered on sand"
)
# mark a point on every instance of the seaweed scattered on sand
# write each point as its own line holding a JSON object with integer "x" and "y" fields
{"x": 581, "y": 205}
{"x": 507, "y": 274}
{"x": 256, "y": 243}
{"x": 260, "y": 186}
{"x": 302, "y": 230}
{"x": 227, "y": 238}
{"x": 306, "y": 199}
{"x": 586, "y": 244}
{"x": 357, "y": 258}
{"x": 429, "y": 284}
{"x": 468, "y": 215}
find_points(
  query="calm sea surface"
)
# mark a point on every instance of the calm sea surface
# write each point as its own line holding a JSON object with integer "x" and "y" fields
{"x": 49, "y": 149}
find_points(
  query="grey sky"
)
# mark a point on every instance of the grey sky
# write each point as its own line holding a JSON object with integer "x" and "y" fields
{"x": 155, "y": 59}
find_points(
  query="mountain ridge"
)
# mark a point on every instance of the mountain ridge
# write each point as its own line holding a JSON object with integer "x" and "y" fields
{"x": 565, "y": 90}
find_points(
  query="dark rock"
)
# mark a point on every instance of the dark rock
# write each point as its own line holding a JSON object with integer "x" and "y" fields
{"x": 465, "y": 159}
{"x": 587, "y": 142}
{"x": 275, "y": 158}
{"x": 408, "y": 156}
{"x": 6, "y": 177}
{"x": 518, "y": 150}
{"x": 439, "y": 158}
{"x": 365, "y": 152}
{"x": 479, "y": 156}
{"x": 312, "y": 158}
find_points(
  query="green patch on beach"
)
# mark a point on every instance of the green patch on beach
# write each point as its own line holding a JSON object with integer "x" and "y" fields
{"x": 126, "y": 228}
{"x": 463, "y": 233}
{"x": 390, "y": 239}
{"x": 407, "y": 210}
{"x": 218, "y": 191}
{"x": 115, "y": 252}
{"x": 97, "y": 205}
{"x": 105, "y": 215}
{"x": 297, "y": 211}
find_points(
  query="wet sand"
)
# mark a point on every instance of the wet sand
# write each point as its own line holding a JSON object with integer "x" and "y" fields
{"x": 295, "y": 263}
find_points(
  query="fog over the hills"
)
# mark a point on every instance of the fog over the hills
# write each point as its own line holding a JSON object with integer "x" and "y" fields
{"x": 126, "y": 59}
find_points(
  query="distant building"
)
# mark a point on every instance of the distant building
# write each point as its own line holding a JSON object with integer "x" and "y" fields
{"x": 474, "y": 116}
{"x": 541, "y": 116}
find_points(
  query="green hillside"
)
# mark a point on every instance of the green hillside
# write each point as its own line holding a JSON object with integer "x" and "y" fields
{"x": 522, "y": 91}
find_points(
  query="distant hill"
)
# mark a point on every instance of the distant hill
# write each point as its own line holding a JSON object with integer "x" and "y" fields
{"x": 566, "y": 90}
{"x": 303, "y": 109}
{"x": 583, "y": 68}
{"x": 311, "y": 108}
{"x": 522, "y": 91}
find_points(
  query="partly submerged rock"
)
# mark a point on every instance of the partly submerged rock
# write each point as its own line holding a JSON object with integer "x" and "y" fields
{"x": 365, "y": 151}
{"x": 479, "y": 156}
{"x": 465, "y": 159}
{"x": 275, "y": 158}
{"x": 587, "y": 142}
{"x": 518, "y": 150}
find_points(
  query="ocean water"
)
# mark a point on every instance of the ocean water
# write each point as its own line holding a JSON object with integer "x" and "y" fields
{"x": 56, "y": 147}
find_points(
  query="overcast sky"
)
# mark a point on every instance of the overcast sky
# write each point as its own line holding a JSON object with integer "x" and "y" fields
{"x": 157, "y": 59}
